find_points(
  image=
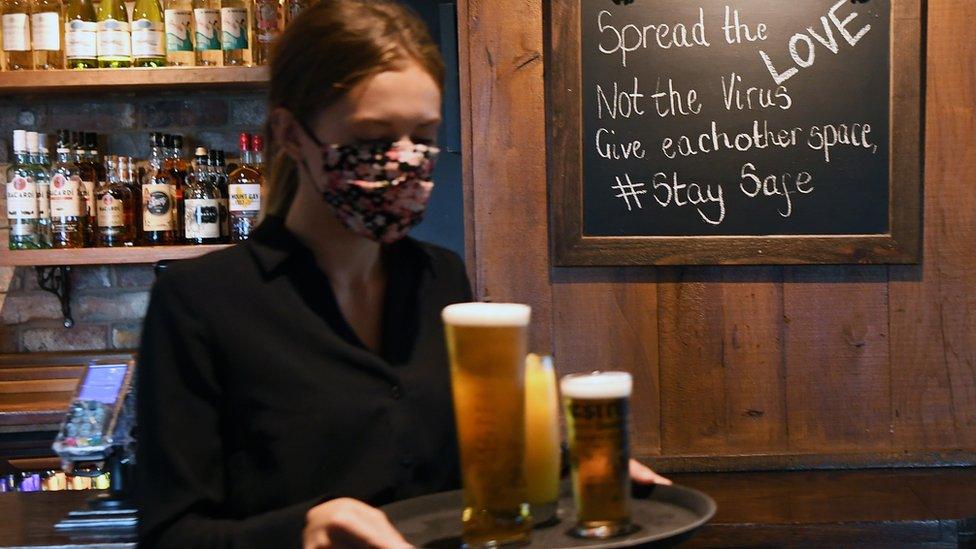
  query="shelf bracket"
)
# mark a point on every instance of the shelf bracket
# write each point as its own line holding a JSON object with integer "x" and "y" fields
{"x": 57, "y": 280}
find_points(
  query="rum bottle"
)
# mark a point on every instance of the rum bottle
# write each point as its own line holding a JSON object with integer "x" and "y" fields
{"x": 67, "y": 223}
{"x": 22, "y": 198}
{"x": 114, "y": 207}
{"x": 158, "y": 223}
{"x": 201, "y": 205}
{"x": 244, "y": 193}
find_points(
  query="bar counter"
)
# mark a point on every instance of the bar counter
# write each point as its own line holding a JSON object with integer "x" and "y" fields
{"x": 930, "y": 507}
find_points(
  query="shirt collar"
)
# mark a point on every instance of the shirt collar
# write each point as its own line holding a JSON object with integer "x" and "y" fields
{"x": 273, "y": 244}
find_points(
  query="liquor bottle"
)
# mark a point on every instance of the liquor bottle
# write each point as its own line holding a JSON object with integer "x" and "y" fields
{"x": 218, "y": 175}
{"x": 201, "y": 206}
{"x": 21, "y": 197}
{"x": 88, "y": 175}
{"x": 42, "y": 180}
{"x": 114, "y": 207}
{"x": 234, "y": 35}
{"x": 80, "y": 35}
{"x": 257, "y": 153}
{"x": 148, "y": 34}
{"x": 179, "y": 33}
{"x": 132, "y": 180}
{"x": 16, "y": 35}
{"x": 244, "y": 193}
{"x": 67, "y": 223}
{"x": 267, "y": 27}
{"x": 46, "y": 34}
{"x": 293, "y": 8}
{"x": 206, "y": 32}
{"x": 178, "y": 175}
{"x": 114, "y": 39}
{"x": 91, "y": 142}
{"x": 158, "y": 226}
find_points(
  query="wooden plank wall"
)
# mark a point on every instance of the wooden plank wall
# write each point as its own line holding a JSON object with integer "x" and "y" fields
{"x": 740, "y": 367}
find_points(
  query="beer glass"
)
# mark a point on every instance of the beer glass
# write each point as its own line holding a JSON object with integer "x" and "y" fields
{"x": 486, "y": 344}
{"x": 596, "y": 407}
{"x": 541, "y": 438}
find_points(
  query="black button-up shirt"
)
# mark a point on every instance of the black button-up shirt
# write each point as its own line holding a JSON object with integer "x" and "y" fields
{"x": 257, "y": 400}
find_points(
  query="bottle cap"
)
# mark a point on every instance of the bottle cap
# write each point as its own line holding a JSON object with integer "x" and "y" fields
{"x": 257, "y": 143}
{"x": 154, "y": 139}
{"x": 32, "y": 142}
{"x": 42, "y": 142}
{"x": 177, "y": 141}
{"x": 20, "y": 141}
{"x": 221, "y": 159}
{"x": 92, "y": 139}
{"x": 166, "y": 141}
{"x": 64, "y": 140}
{"x": 200, "y": 152}
{"x": 245, "y": 142}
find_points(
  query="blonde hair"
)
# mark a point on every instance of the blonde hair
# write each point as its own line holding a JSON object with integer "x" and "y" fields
{"x": 325, "y": 51}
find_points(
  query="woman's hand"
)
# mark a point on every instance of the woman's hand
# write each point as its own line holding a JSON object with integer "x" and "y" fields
{"x": 346, "y": 522}
{"x": 642, "y": 474}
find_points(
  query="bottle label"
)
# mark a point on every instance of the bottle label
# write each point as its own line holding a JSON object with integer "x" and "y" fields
{"x": 87, "y": 191}
{"x": 16, "y": 32}
{"x": 21, "y": 198}
{"x": 80, "y": 39}
{"x": 201, "y": 218}
{"x": 43, "y": 200}
{"x": 111, "y": 212}
{"x": 113, "y": 39}
{"x": 233, "y": 24}
{"x": 157, "y": 200}
{"x": 267, "y": 21}
{"x": 65, "y": 196}
{"x": 148, "y": 39}
{"x": 46, "y": 28}
{"x": 207, "y": 24}
{"x": 245, "y": 198}
{"x": 178, "y": 24}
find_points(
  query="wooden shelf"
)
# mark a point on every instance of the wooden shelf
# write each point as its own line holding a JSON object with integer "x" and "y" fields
{"x": 164, "y": 78}
{"x": 102, "y": 256}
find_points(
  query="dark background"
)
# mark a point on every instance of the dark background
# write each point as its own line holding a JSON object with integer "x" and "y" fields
{"x": 851, "y": 193}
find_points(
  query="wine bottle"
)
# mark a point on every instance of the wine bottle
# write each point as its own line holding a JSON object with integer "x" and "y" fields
{"x": 206, "y": 32}
{"x": 148, "y": 36}
{"x": 80, "y": 35}
{"x": 233, "y": 31}
{"x": 46, "y": 34}
{"x": 267, "y": 27}
{"x": 16, "y": 35}
{"x": 293, "y": 8}
{"x": 114, "y": 39}
{"x": 179, "y": 33}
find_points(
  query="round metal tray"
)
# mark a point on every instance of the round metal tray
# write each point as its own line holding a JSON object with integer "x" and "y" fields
{"x": 667, "y": 515}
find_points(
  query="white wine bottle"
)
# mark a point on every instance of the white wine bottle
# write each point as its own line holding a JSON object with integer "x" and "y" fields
{"x": 179, "y": 33}
{"x": 148, "y": 34}
{"x": 234, "y": 36}
{"x": 17, "y": 36}
{"x": 46, "y": 34}
{"x": 206, "y": 32}
{"x": 114, "y": 40}
{"x": 80, "y": 35}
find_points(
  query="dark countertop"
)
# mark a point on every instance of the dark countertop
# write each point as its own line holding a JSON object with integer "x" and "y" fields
{"x": 930, "y": 507}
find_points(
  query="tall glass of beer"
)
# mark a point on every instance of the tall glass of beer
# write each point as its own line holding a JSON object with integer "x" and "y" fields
{"x": 486, "y": 343}
{"x": 542, "y": 452}
{"x": 597, "y": 419}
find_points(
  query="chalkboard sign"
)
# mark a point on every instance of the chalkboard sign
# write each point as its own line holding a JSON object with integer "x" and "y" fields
{"x": 735, "y": 131}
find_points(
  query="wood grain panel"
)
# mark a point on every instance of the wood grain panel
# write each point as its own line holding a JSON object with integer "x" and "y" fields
{"x": 933, "y": 307}
{"x": 836, "y": 351}
{"x": 722, "y": 382}
{"x": 607, "y": 320}
{"x": 38, "y": 386}
{"x": 506, "y": 163}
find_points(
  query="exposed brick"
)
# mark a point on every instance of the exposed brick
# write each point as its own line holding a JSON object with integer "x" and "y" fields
{"x": 126, "y": 336}
{"x": 27, "y": 118}
{"x": 135, "y": 144}
{"x": 79, "y": 338}
{"x": 116, "y": 306}
{"x": 83, "y": 278}
{"x": 225, "y": 141}
{"x": 5, "y": 147}
{"x": 248, "y": 113}
{"x": 26, "y": 306}
{"x": 107, "y": 114}
{"x": 134, "y": 276}
{"x": 9, "y": 339}
{"x": 180, "y": 113}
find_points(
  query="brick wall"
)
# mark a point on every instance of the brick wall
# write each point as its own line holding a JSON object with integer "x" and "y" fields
{"x": 108, "y": 302}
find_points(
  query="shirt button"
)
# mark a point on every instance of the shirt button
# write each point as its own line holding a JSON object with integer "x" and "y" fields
{"x": 396, "y": 392}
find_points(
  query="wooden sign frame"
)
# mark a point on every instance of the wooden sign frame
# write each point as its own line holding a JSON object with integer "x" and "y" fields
{"x": 570, "y": 247}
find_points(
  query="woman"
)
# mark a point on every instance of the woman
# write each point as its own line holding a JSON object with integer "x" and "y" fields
{"x": 289, "y": 384}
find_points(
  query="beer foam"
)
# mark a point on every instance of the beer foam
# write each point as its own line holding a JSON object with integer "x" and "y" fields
{"x": 597, "y": 385}
{"x": 487, "y": 314}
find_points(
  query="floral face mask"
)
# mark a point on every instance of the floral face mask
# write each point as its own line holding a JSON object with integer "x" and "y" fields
{"x": 378, "y": 190}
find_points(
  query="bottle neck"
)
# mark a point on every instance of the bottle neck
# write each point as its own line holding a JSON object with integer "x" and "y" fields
{"x": 245, "y": 157}
{"x": 257, "y": 158}
{"x": 21, "y": 157}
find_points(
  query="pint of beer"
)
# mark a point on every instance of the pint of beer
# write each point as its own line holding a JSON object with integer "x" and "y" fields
{"x": 599, "y": 450}
{"x": 486, "y": 343}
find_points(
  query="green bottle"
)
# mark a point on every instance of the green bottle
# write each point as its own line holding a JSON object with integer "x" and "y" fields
{"x": 80, "y": 35}
{"x": 148, "y": 34}
{"x": 114, "y": 40}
